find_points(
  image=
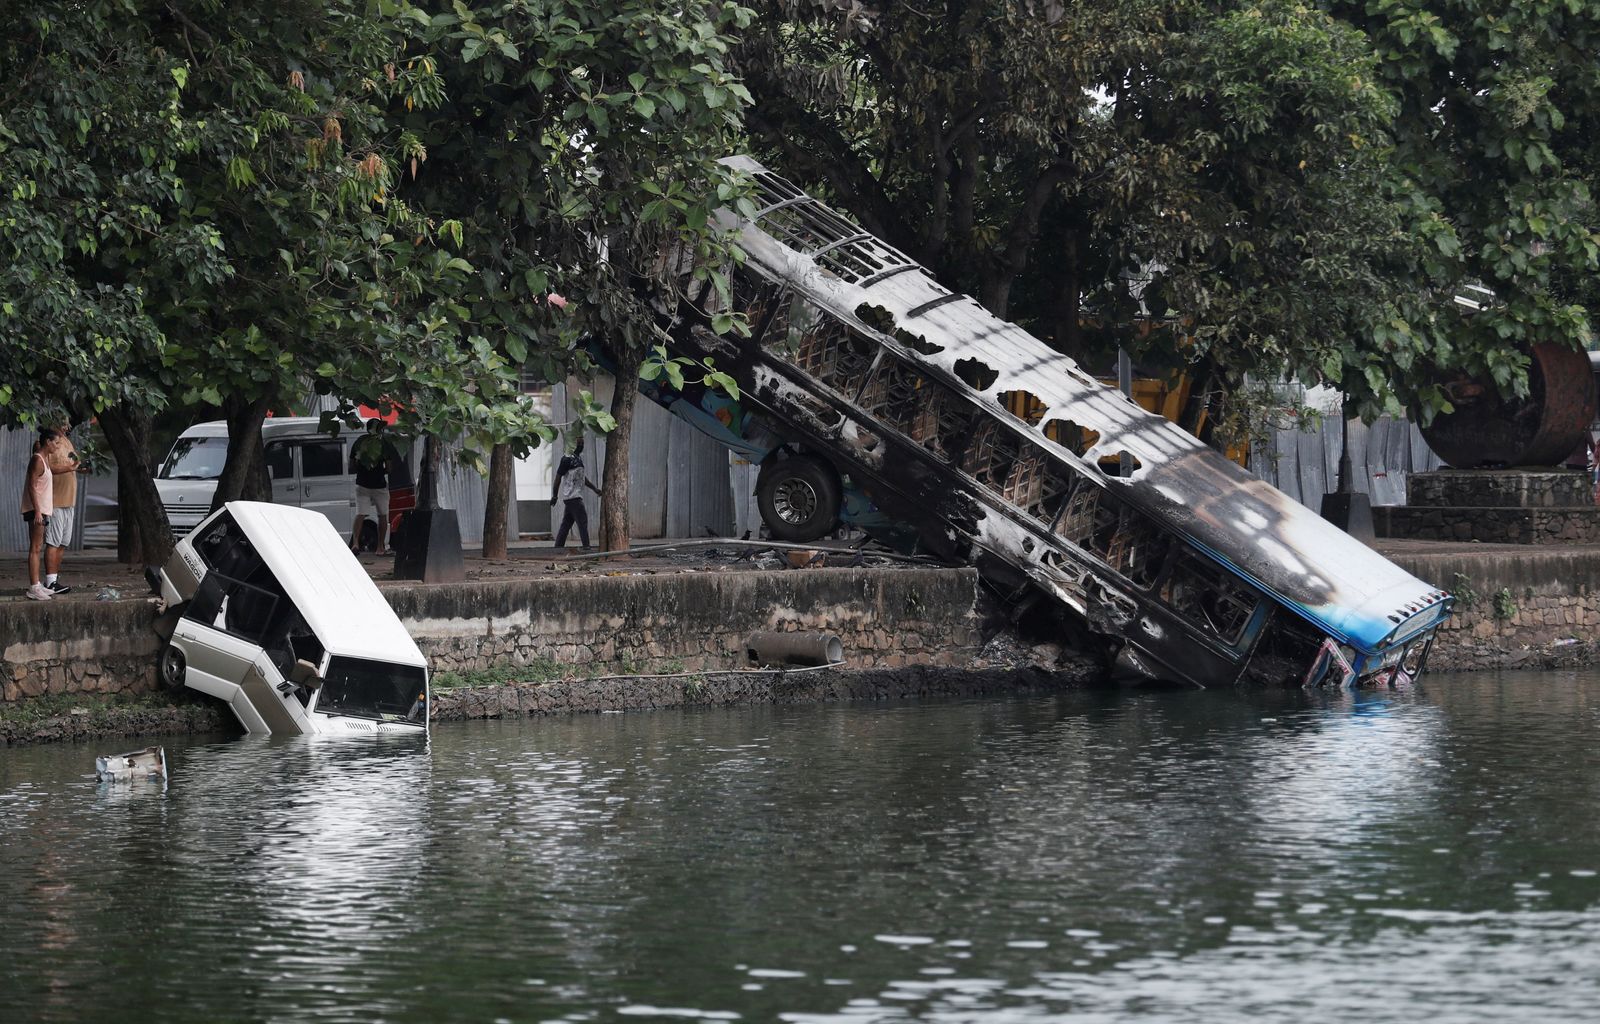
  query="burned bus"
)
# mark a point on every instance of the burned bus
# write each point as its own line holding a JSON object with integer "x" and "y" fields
{"x": 873, "y": 394}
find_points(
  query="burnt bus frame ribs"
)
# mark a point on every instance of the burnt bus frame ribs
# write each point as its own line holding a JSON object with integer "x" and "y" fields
{"x": 1004, "y": 453}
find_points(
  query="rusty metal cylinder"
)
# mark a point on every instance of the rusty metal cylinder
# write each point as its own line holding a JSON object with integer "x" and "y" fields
{"x": 794, "y": 649}
{"x": 1539, "y": 430}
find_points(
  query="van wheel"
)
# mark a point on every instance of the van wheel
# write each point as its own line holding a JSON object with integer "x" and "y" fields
{"x": 799, "y": 498}
{"x": 173, "y": 668}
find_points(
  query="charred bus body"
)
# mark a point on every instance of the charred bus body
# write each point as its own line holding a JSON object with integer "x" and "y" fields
{"x": 872, "y": 393}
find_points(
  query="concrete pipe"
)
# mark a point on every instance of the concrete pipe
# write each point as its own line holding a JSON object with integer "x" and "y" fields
{"x": 794, "y": 649}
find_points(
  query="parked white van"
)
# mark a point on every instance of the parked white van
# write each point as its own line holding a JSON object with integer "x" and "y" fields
{"x": 277, "y": 618}
{"x": 308, "y": 468}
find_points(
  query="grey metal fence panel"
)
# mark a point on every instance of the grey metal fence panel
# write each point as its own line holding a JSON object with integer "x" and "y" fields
{"x": 650, "y": 468}
{"x": 1311, "y": 470}
{"x": 1382, "y": 456}
{"x": 710, "y": 498}
{"x": 742, "y": 479}
{"x": 15, "y": 447}
{"x": 1397, "y": 464}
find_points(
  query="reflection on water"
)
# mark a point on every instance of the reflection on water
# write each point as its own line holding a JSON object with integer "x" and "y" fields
{"x": 1182, "y": 856}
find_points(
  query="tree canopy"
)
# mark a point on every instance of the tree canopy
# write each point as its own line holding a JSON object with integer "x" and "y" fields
{"x": 1297, "y": 187}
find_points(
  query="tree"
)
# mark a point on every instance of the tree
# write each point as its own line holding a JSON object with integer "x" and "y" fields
{"x": 577, "y": 145}
{"x": 1221, "y": 164}
{"x": 198, "y": 207}
{"x": 92, "y": 130}
{"x": 1495, "y": 163}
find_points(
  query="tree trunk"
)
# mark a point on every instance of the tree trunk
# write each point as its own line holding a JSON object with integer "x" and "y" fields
{"x": 244, "y": 475}
{"x": 127, "y": 430}
{"x": 614, "y": 483}
{"x": 130, "y": 550}
{"x": 1068, "y": 337}
{"x": 497, "y": 504}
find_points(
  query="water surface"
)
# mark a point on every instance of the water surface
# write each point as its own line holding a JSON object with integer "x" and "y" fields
{"x": 1182, "y": 856}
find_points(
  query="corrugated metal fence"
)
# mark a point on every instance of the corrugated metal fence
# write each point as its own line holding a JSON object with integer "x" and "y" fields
{"x": 679, "y": 480}
{"x": 1304, "y": 464}
{"x": 15, "y": 448}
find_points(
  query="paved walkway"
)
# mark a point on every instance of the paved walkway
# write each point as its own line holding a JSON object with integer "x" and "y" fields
{"x": 92, "y": 571}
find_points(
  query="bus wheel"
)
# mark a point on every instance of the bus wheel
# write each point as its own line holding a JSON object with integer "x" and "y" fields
{"x": 799, "y": 498}
{"x": 173, "y": 667}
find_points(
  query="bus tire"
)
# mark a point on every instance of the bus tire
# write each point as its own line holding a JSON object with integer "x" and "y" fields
{"x": 799, "y": 498}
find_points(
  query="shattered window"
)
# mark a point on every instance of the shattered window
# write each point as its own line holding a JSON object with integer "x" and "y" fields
{"x": 1209, "y": 596}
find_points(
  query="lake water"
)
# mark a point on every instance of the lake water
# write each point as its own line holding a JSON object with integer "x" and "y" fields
{"x": 1174, "y": 856}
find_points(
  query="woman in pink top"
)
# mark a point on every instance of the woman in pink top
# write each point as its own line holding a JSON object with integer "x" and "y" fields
{"x": 37, "y": 507}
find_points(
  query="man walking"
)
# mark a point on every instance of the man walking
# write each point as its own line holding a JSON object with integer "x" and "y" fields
{"x": 64, "y": 470}
{"x": 568, "y": 490}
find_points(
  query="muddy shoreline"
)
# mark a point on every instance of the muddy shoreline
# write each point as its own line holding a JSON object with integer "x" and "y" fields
{"x": 157, "y": 715}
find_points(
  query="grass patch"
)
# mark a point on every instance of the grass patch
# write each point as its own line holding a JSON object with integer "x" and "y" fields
{"x": 544, "y": 670}
{"x": 30, "y": 711}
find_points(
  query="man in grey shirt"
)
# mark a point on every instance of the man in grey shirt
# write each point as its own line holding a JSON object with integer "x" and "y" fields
{"x": 568, "y": 490}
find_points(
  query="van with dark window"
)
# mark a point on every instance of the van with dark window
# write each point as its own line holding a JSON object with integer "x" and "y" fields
{"x": 272, "y": 614}
{"x": 308, "y": 468}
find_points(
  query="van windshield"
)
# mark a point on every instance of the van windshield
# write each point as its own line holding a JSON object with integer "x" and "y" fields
{"x": 373, "y": 689}
{"x": 196, "y": 458}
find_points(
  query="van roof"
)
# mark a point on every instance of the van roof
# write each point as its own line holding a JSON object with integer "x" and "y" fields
{"x": 331, "y": 590}
{"x": 271, "y": 425}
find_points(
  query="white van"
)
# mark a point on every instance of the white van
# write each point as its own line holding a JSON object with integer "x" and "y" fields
{"x": 275, "y": 616}
{"x": 308, "y": 468}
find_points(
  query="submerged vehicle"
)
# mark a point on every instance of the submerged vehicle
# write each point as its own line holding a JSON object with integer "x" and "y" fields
{"x": 873, "y": 394}
{"x": 271, "y": 613}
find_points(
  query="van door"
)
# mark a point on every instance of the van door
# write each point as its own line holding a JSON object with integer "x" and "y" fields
{"x": 280, "y": 469}
{"x": 326, "y": 485}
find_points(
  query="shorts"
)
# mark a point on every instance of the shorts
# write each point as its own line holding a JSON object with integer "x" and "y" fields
{"x": 27, "y": 517}
{"x": 58, "y": 528}
{"x": 376, "y": 499}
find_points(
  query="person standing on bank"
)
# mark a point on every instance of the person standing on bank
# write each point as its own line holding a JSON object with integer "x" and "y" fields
{"x": 37, "y": 497}
{"x": 369, "y": 460}
{"x": 62, "y": 458}
{"x": 568, "y": 490}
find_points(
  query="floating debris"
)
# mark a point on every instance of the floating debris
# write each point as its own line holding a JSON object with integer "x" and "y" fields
{"x": 149, "y": 763}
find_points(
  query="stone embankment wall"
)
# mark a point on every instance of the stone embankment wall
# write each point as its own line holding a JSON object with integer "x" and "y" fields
{"x": 886, "y": 618}
{"x": 76, "y": 647}
{"x": 1514, "y": 607}
{"x": 793, "y": 687}
{"x": 1528, "y": 526}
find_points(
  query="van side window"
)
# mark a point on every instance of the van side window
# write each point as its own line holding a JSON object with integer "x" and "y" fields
{"x": 322, "y": 458}
{"x": 280, "y": 461}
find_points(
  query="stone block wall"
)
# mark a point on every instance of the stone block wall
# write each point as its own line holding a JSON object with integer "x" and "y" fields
{"x": 1510, "y": 603}
{"x": 1489, "y": 525}
{"x": 1499, "y": 488}
{"x": 885, "y": 618}
{"x": 76, "y": 647}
